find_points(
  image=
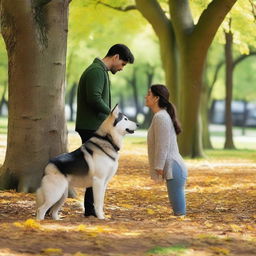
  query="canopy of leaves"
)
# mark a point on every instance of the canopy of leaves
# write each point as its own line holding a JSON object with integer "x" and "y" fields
{"x": 3, "y": 66}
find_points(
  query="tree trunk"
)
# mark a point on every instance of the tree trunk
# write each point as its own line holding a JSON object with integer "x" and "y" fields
{"x": 133, "y": 83}
{"x": 121, "y": 102}
{"x": 170, "y": 65}
{"x": 204, "y": 112}
{"x": 148, "y": 115}
{"x": 205, "y": 109}
{"x": 197, "y": 150}
{"x": 178, "y": 35}
{"x": 3, "y": 100}
{"x": 229, "y": 144}
{"x": 193, "y": 42}
{"x": 245, "y": 116}
{"x": 35, "y": 34}
{"x": 71, "y": 99}
{"x": 162, "y": 26}
{"x": 190, "y": 89}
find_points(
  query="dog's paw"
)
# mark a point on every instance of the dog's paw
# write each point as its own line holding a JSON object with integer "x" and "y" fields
{"x": 39, "y": 218}
{"x": 56, "y": 217}
{"x": 100, "y": 216}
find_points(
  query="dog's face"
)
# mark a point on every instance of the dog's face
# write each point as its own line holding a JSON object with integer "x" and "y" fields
{"x": 122, "y": 124}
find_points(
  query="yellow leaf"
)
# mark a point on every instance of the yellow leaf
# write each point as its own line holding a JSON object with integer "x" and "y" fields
{"x": 249, "y": 227}
{"x": 31, "y": 224}
{"x": 28, "y": 224}
{"x": 235, "y": 228}
{"x": 128, "y": 206}
{"x": 150, "y": 211}
{"x": 18, "y": 224}
{"x": 81, "y": 228}
{"x": 220, "y": 251}
{"x": 52, "y": 251}
{"x": 80, "y": 254}
{"x": 207, "y": 224}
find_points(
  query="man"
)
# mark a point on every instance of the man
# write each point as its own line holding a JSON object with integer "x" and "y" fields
{"x": 94, "y": 99}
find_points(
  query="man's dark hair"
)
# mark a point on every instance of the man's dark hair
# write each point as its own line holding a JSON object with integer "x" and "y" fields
{"x": 123, "y": 51}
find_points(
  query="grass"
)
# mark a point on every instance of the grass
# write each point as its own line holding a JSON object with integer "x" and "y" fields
{"x": 3, "y": 125}
{"x": 171, "y": 250}
{"x": 234, "y": 154}
{"x": 245, "y": 145}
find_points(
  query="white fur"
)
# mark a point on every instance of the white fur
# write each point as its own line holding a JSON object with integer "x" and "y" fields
{"x": 54, "y": 186}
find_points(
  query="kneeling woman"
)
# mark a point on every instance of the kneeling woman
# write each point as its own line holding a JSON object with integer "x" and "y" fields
{"x": 164, "y": 158}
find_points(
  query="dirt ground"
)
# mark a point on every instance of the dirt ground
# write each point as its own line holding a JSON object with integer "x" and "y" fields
{"x": 221, "y": 219}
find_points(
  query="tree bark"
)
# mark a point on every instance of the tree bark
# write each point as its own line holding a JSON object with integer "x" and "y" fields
{"x": 183, "y": 47}
{"x": 193, "y": 42}
{"x": 35, "y": 34}
{"x": 133, "y": 83}
{"x": 229, "y": 144}
{"x": 148, "y": 115}
{"x": 197, "y": 150}
{"x": 71, "y": 100}
{"x": 162, "y": 26}
{"x": 204, "y": 111}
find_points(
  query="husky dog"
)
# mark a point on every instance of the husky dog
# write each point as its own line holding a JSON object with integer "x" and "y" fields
{"x": 94, "y": 163}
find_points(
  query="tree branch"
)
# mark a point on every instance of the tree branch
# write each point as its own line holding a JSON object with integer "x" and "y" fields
{"x": 155, "y": 15}
{"x": 122, "y": 9}
{"x": 40, "y": 3}
{"x": 241, "y": 58}
{"x": 182, "y": 19}
{"x": 235, "y": 63}
{"x": 216, "y": 73}
{"x": 211, "y": 19}
{"x": 253, "y": 5}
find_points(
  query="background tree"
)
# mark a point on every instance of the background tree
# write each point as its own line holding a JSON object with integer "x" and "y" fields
{"x": 237, "y": 17}
{"x": 183, "y": 47}
{"x": 212, "y": 68}
{"x": 242, "y": 31}
{"x": 3, "y": 76}
{"x": 35, "y": 34}
{"x": 229, "y": 144}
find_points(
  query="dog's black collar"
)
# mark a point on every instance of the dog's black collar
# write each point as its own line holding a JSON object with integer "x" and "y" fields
{"x": 107, "y": 138}
{"x": 98, "y": 146}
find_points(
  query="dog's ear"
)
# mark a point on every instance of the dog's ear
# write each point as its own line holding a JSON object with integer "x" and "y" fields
{"x": 115, "y": 111}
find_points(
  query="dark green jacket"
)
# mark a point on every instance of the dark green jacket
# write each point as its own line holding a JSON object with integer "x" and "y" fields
{"x": 93, "y": 97}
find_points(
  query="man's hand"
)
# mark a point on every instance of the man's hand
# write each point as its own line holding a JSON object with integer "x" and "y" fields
{"x": 160, "y": 173}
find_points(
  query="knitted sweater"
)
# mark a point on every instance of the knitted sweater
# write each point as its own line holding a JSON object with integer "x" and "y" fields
{"x": 162, "y": 145}
{"x": 93, "y": 96}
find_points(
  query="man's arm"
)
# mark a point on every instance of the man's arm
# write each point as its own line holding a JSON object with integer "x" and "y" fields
{"x": 95, "y": 80}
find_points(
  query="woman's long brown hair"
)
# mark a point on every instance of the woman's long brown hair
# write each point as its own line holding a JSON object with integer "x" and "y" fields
{"x": 162, "y": 92}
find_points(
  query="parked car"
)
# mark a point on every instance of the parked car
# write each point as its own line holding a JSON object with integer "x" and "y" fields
{"x": 243, "y": 113}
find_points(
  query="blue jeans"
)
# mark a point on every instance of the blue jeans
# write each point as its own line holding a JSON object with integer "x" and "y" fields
{"x": 176, "y": 189}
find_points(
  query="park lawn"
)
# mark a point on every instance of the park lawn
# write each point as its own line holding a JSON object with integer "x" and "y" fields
{"x": 221, "y": 217}
{"x": 238, "y": 155}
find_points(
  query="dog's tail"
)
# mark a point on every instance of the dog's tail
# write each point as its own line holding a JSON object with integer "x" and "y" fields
{"x": 39, "y": 197}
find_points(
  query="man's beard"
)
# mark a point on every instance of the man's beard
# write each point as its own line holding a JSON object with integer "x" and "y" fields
{"x": 113, "y": 71}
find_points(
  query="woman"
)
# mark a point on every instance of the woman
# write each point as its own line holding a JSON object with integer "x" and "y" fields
{"x": 164, "y": 158}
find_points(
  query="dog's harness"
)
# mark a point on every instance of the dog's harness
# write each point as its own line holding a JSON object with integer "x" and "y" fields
{"x": 98, "y": 146}
{"x": 106, "y": 138}
{"x": 109, "y": 139}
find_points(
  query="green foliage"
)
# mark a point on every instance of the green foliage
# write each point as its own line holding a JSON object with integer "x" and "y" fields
{"x": 3, "y": 66}
{"x": 94, "y": 28}
{"x": 177, "y": 249}
{"x": 197, "y": 6}
{"x": 231, "y": 155}
{"x": 244, "y": 80}
{"x": 243, "y": 26}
